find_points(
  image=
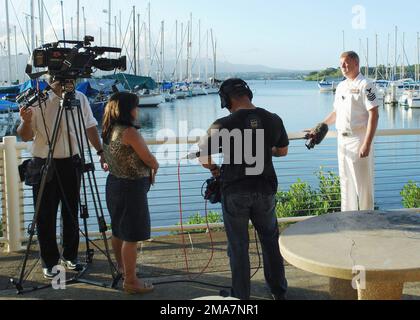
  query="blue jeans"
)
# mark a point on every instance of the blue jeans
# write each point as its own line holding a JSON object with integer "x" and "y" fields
{"x": 238, "y": 209}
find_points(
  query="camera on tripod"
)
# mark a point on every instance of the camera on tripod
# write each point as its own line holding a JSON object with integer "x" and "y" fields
{"x": 77, "y": 62}
{"x": 67, "y": 65}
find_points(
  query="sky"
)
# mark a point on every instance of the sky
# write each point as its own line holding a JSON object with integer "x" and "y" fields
{"x": 297, "y": 35}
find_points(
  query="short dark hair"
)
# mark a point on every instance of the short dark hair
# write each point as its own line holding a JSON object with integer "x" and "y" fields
{"x": 352, "y": 55}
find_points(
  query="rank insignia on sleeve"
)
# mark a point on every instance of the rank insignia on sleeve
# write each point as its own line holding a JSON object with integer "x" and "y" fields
{"x": 371, "y": 95}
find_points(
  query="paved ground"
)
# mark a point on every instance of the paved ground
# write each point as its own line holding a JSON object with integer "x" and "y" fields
{"x": 163, "y": 260}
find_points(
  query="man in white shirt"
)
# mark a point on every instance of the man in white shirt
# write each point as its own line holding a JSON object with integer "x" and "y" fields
{"x": 356, "y": 115}
{"x": 37, "y": 125}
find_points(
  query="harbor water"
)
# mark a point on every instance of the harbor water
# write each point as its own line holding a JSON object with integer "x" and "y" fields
{"x": 298, "y": 103}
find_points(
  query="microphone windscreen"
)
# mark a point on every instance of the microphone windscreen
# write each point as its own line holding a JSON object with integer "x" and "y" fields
{"x": 321, "y": 131}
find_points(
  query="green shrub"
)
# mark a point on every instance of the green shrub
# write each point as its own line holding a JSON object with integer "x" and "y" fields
{"x": 298, "y": 201}
{"x": 212, "y": 217}
{"x": 411, "y": 195}
{"x": 303, "y": 200}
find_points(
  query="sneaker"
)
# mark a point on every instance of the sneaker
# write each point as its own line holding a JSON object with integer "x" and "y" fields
{"x": 49, "y": 274}
{"x": 73, "y": 265}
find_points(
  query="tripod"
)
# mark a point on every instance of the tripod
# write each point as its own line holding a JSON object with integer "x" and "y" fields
{"x": 85, "y": 171}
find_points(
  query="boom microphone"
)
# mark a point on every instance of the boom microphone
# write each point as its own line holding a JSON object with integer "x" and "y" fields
{"x": 317, "y": 135}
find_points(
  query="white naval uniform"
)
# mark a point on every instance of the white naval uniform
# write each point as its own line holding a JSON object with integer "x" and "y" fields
{"x": 40, "y": 146}
{"x": 353, "y": 101}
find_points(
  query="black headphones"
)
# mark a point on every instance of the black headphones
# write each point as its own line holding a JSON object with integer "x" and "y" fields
{"x": 233, "y": 86}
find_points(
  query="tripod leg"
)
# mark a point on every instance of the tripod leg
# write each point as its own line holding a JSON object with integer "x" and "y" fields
{"x": 44, "y": 179}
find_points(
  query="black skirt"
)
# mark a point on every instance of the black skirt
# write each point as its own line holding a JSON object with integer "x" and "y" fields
{"x": 128, "y": 207}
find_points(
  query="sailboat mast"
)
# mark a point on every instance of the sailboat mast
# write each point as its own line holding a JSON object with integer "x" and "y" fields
{"x": 72, "y": 28}
{"x": 214, "y": 43}
{"x": 418, "y": 57}
{"x": 120, "y": 29}
{"x": 9, "y": 58}
{"x": 150, "y": 44}
{"x": 403, "y": 57}
{"x": 41, "y": 20}
{"x": 162, "y": 51}
{"x": 181, "y": 76}
{"x": 190, "y": 75}
{"x": 188, "y": 53}
{"x": 109, "y": 24}
{"x": 78, "y": 20}
{"x": 134, "y": 40}
{"x": 199, "y": 50}
{"x": 138, "y": 43}
{"x": 367, "y": 58}
{"x": 16, "y": 53}
{"x": 387, "y": 69}
{"x": 84, "y": 22}
{"x": 32, "y": 25}
{"x": 176, "y": 48}
{"x": 207, "y": 56}
{"x": 396, "y": 53}
{"x": 115, "y": 32}
{"x": 62, "y": 20}
{"x": 376, "y": 53}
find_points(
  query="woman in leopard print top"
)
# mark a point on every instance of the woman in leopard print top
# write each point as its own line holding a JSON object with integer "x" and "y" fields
{"x": 132, "y": 170}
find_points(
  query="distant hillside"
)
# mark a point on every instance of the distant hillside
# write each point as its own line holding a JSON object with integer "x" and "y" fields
{"x": 329, "y": 73}
{"x": 383, "y": 72}
{"x": 224, "y": 70}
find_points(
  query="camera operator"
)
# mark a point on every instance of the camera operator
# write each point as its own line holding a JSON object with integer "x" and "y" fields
{"x": 248, "y": 190}
{"x": 63, "y": 184}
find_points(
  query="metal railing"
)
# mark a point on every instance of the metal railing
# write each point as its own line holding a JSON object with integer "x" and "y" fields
{"x": 397, "y": 157}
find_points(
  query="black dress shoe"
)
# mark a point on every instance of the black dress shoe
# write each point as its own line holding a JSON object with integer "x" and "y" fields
{"x": 73, "y": 265}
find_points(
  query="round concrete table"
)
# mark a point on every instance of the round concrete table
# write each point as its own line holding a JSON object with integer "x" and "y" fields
{"x": 375, "y": 252}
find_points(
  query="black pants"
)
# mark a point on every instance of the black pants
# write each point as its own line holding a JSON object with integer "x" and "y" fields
{"x": 69, "y": 176}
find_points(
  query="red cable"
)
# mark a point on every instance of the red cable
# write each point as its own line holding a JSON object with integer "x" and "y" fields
{"x": 183, "y": 234}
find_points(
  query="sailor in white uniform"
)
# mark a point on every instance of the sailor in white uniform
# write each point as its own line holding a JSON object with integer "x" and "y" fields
{"x": 356, "y": 115}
